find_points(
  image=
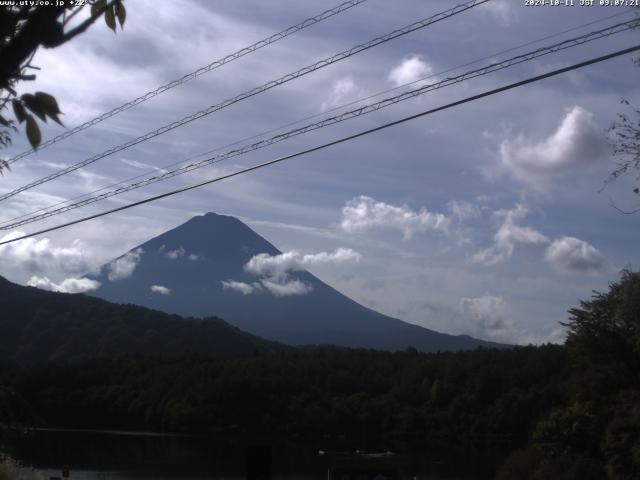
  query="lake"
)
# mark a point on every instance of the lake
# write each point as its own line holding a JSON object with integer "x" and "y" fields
{"x": 107, "y": 455}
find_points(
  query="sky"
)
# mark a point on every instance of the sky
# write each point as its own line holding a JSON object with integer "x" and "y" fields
{"x": 490, "y": 219}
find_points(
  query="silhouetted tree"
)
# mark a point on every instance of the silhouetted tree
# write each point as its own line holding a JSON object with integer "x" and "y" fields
{"x": 26, "y": 26}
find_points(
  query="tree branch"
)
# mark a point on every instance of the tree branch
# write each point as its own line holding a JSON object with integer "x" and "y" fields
{"x": 41, "y": 22}
{"x": 73, "y": 14}
{"x": 625, "y": 212}
{"x": 84, "y": 25}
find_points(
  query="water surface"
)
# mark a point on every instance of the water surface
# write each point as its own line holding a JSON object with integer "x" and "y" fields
{"x": 93, "y": 455}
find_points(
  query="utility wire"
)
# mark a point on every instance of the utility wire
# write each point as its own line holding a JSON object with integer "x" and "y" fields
{"x": 196, "y": 73}
{"x": 335, "y": 142}
{"x": 255, "y": 91}
{"x": 366, "y": 109}
{"x": 310, "y": 117}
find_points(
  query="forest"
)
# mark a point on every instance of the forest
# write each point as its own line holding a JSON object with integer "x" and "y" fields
{"x": 570, "y": 411}
{"x": 40, "y": 326}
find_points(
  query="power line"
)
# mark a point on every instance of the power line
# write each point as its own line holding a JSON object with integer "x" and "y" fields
{"x": 196, "y": 73}
{"x": 255, "y": 91}
{"x": 336, "y": 119}
{"x": 335, "y": 142}
{"x": 316, "y": 115}
{"x": 363, "y": 110}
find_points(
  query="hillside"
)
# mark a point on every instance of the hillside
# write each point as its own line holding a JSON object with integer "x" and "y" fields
{"x": 40, "y": 326}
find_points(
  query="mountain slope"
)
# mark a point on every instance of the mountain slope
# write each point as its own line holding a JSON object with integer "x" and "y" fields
{"x": 193, "y": 260}
{"x": 40, "y": 326}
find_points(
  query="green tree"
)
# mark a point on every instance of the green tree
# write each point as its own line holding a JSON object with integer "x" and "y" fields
{"x": 598, "y": 430}
{"x": 26, "y": 26}
{"x": 604, "y": 334}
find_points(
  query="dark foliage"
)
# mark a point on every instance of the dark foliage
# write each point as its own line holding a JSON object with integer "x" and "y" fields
{"x": 39, "y": 326}
{"x": 25, "y": 27}
{"x": 481, "y": 397}
{"x": 566, "y": 412}
{"x": 595, "y": 434}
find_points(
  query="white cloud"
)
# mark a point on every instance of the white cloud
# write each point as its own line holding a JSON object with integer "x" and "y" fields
{"x": 159, "y": 289}
{"x": 124, "y": 266}
{"x": 68, "y": 285}
{"x": 343, "y": 90}
{"x": 573, "y": 256}
{"x": 364, "y": 213}
{"x": 37, "y": 256}
{"x": 141, "y": 165}
{"x": 508, "y": 236}
{"x": 274, "y": 271}
{"x": 178, "y": 253}
{"x": 242, "y": 287}
{"x": 488, "y": 317}
{"x": 566, "y": 254}
{"x": 175, "y": 254}
{"x": 409, "y": 70}
{"x": 576, "y": 144}
{"x": 272, "y": 266}
{"x": 463, "y": 210}
{"x": 287, "y": 288}
{"x": 340, "y": 255}
{"x": 503, "y": 10}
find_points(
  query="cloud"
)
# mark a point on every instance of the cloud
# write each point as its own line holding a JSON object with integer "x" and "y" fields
{"x": 576, "y": 144}
{"x": 409, "y": 70}
{"x": 36, "y": 256}
{"x": 178, "y": 253}
{"x": 571, "y": 255}
{"x": 159, "y": 289}
{"x": 274, "y": 271}
{"x": 242, "y": 287}
{"x": 503, "y": 10}
{"x": 343, "y": 90}
{"x": 364, "y": 213}
{"x": 463, "y": 210}
{"x": 287, "y": 288}
{"x": 68, "y": 285}
{"x": 175, "y": 254}
{"x": 488, "y": 317}
{"x": 124, "y": 266}
{"x": 508, "y": 236}
{"x": 141, "y": 165}
{"x": 264, "y": 264}
{"x": 567, "y": 254}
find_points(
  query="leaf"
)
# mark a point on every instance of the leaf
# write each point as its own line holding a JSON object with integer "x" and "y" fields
{"x": 18, "y": 110}
{"x": 110, "y": 19}
{"x": 97, "y": 6}
{"x": 49, "y": 105}
{"x": 55, "y": 118}
{"x": 48, "y": 102}
{"x": 30, "y": 101}
{"x": 33, "y": 132}
{"x": 121, "y": 13}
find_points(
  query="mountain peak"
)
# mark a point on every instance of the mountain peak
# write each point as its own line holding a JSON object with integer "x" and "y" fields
{"x": 212, "y": 216}
{"x": 197, "y": 269}
{"x": 213, "y": 219}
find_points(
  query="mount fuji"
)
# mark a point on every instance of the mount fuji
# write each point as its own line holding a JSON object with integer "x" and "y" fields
{"x": 199, "y": 269}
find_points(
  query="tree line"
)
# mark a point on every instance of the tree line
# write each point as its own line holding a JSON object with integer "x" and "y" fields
{"x": 559, "y": 411}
